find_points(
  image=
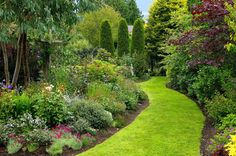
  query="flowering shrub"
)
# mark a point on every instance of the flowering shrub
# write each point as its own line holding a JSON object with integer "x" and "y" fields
{"x": 231, "y": 147}
{"x": 98, "y": 71}
{"x": 218, "y": 143}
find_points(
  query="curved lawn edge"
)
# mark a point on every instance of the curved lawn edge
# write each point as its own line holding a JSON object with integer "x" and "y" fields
{"x": 171, "y": 126}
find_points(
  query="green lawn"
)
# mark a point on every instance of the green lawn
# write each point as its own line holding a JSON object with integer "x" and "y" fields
{"x": 170, "y": 126}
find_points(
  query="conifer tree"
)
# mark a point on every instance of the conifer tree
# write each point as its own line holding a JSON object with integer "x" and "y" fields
{"x": 157, "y": 29}
{"x": 106, "y": 41}
{"x": 123, "y": 38}
{"x": 138, "y": 38}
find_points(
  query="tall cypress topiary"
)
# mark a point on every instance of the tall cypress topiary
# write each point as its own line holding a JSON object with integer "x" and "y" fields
{"x": 138, "y": 39}
{"x": 123, "y": 38}
{"x": 106, "y": 41}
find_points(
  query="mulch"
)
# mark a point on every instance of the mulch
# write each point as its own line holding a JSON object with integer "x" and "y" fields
{"x": 208, "y": 132}
{"x": 100, "y": 137}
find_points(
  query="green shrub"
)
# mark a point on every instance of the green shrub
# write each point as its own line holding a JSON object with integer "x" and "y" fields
{"x": 119, "y": 122}
{"x": 63, "y": 76}
{"x": 21, "y": 125}
{"x": 180, "y": 75}
{"x": 87, "y": 139}
{"x": 209, "y": 81}
{"x": 106, "y": 40}
{"x": 92, "y": 112}
{"x": 80, "y": 125}
{"x": 6, "y": 106}
{"x": 50, "y": 107}
{"x": 22, "y": 104}
{"x": 104, "y": 95}
{"x": 219, "y": 107}
{"x": 123, "y": 38}
{"x": 13, "y": 146}
{"x": 67, "y": 141}
{"x": 142, "y": 96}
{"x": 128, "y": 94}
{"x": 39, "y": 136}
{"x": 140, "y": 65}
{"x": 98, "y": 71}
{"x": 228, "y": 122}
{"x": 32, "y": 147}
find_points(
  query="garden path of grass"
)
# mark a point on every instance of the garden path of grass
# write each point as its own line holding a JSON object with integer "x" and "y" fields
{"x": 170, "y": 126}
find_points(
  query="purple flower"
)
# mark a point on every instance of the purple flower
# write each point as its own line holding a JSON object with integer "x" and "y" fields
{"x": 10, "y": 87}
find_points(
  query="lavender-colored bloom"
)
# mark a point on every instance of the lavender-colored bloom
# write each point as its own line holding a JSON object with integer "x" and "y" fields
{"x": 10, "y": 87}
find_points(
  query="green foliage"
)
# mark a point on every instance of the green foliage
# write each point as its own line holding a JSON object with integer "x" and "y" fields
{"x": 62, "y": 76}
{"x": 32, "y": 147}
{"x": 127, "y": 8}
{"x": 80, "y": 125}
{"x": 210, "y": 80}
{"x": 89, "y": 26}
{"x": 87, "y": 140}
{"x": 120, "y": 6}
{"x": 119, "y": 122}
{"x": 105, "y": 95}
{"x": 138, "y": 39}
{"x": 51, "y": 107}
{"x": 92, "y": 112}
{"x": 22, "y": 104}
{"x": 106, "y": 40}
{"x": 157, "y": 29}
{"x": 133, "y": 12}
{"x": 191, "y": 3}
{"x": 123, "y": 39}
{"x": 219, "y": 107}
{"x": 228, "y": 122}
{"x": 104, "y": 55}
{"x": 140, "y": 65}
{"x": 6, "y": 106}
{"x": 13, "y": 146}
{"x": 66, "y": 141}
{"x": 98, "y": 71}
{"x": 38, "y": 136}
{"x": 180, "y": 75}
{"x": 128, "y": 94}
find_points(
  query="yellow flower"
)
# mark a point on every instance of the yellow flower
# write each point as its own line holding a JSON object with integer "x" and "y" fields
{"x": 231, "y": 147}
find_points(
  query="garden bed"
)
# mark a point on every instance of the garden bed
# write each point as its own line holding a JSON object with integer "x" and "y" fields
{"x": 100, "y": 137}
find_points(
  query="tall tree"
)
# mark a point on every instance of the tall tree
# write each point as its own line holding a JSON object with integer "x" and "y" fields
{"x": 157, "y": 29}
{"x": 119, "y": 5}
{"x": 138, "y": 38}
{"x": 31, "y": 15}
{"x": 123, "y": 38}
{"x": 89, "y": 26}
{"x": 133, "y": 12}
{"x": 106, "y": 41}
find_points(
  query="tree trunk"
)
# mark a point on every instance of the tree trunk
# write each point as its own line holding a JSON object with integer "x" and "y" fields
{"x": 46, "y": 60}
{"x": 25, "y": 61}
{"x": 18, "y": 59}
{"x": 6, "y": 65}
